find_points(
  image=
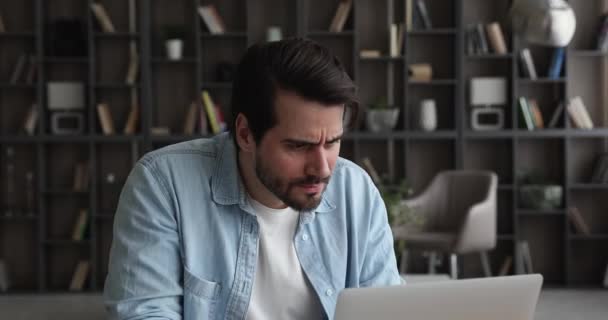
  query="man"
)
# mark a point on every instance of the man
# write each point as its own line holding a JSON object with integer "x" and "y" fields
{"x": 266, "y": 222}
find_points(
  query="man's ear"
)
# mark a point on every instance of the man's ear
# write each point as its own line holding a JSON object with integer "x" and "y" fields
{"x": 244, "y": 138}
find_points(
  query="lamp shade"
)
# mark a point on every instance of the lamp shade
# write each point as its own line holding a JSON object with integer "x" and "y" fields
{"x": 544, "y": 22}
{"x": 487, "y": 91}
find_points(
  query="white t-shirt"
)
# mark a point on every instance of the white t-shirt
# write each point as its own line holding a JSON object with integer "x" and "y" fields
{"x": 281, "y": 289}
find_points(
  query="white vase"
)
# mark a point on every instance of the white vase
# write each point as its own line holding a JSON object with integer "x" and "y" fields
{"x": 175, "y": 48}
{"x": 428, "y": 115}
{"x": 274, "y": 33}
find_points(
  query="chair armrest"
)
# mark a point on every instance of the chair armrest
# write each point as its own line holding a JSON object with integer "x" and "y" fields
{"x": 478, "y": 231}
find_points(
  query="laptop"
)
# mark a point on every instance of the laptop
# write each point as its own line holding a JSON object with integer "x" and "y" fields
{"x": 498, "y": 298}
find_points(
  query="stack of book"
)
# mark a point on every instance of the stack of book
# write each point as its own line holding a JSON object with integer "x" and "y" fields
{"x": 533, "y": 117}
{"x": 484, "y": 39}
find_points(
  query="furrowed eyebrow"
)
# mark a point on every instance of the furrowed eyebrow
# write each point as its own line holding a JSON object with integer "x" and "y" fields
{"x": 304, "y": 142}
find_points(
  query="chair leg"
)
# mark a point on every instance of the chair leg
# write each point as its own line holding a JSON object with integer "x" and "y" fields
{"x": 485, "y": 263}
{"x": 403, "y": 262}
{"x": 454, "y": 266}
{"x": 432, "y": 262}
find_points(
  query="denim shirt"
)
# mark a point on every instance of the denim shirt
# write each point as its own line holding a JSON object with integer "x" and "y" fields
{"x": 185, "y": 237}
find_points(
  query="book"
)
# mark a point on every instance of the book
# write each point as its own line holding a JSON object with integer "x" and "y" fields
{"x": 132, "y": 120}
{"x": 30, "y": 76}
{"x": 5, "y": 283}
{"x": 341, "y": 16}
{"x": 344, "y": 15}
{"x": 497, "y": 38}
{"x": 472, "y": 40}
{"x": 105, "y": 119}
{"x": 482, "y": 39}
{"x": 528, "y": 64}
{"x": 160, "y": 131}
{"x": 368, "y": 53}
{"x": 599, "y": 168}
{"x": 100, "y": 13}
{"x": 424, "y": 14}
{"x": 537, "y": 115}
{"x": 31, "y": 120}
{"x": 210, "y": 109}
{"x": 19, "y": 68}
{"x": 202, "y": 122}
{"x": 400, "y": 38}
{"x": 557, "y": 61}
{"x": 371, "y": 170}
{"x": 2, "y": 26}
{"x": 579, "y": 114}
{"x": 190, "y": 120}
{"x": 79, "y": 277}
{"x": 393, "y": 39}
{"x": 580, "y": 226}
{"x": 506, "y": 266}
{"x": 211, "y": 18}
{"x": 553, "y": 123}
{"x": 80, "y": 226}
{"x": 602, "y": 35}
{"x": 81, "y": 176}
{"x": 525, "y": 111}
{"x": 133, "y": 68}
{"x": 409, "y": 14}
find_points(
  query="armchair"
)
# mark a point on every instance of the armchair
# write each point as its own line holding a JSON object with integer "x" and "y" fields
{"x": 459, "y": 212}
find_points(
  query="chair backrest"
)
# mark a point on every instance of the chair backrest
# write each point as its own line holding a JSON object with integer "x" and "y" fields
{"x": 454, "y": 192}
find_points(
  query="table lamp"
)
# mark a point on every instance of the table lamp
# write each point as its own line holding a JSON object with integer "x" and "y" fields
{"x": 486, "y": 93}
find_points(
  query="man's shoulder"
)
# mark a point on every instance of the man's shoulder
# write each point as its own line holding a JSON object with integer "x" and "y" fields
{"x": 350, "y": 175}
{"x": 208, "y": 148}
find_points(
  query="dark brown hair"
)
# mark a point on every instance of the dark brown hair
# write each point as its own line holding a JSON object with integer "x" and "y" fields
{"x": 295, "y": 64}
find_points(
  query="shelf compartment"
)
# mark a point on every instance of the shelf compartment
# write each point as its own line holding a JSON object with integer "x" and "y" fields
{"x": 492, "y": 155}
{"x": 587, "y": 262}
{"x": 545, "y": 237}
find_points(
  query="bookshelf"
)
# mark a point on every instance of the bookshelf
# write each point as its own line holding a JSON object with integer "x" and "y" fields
{"x": 46, "y": 257}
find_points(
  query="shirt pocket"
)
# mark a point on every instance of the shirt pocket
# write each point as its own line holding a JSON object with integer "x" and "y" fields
{"x": 200, "y": 297}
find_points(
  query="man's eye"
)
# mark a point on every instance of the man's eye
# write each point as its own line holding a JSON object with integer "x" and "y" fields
{"x": 297, "y": 146}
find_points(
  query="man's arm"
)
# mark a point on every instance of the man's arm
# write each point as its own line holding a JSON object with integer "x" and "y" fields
{"x": 145, "y": 268}
{"x": 379, "y": 265}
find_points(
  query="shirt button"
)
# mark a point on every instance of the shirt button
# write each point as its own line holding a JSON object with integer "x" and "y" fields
{"x": 305, "y": 237}
{"x": 329, "y": 292}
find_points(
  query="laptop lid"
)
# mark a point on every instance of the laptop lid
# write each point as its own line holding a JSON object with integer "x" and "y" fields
{"x": 498, "y": 298}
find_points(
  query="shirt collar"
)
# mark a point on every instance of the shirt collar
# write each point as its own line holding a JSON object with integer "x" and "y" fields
{"x": 227, "y": 188}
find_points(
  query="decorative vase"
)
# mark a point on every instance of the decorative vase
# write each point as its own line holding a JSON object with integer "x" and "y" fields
{"x": 382, "y": 120}
{"x": 274, "y": 33}
{"x": 428, "y": 115}
{"x": 175, "y": 48}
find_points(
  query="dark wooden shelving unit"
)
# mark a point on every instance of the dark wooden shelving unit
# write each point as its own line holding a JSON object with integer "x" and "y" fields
{"x": 166, "y": 88}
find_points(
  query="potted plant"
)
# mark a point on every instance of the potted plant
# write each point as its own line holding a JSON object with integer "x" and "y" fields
{"x": 174, "y": 42}
{"x": 400, "y": 214}
{"x": 537, "y": 192}
{"x": 381, "y": 116}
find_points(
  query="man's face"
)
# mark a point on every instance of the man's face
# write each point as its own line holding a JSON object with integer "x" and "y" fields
{"x": 295, "y": 159}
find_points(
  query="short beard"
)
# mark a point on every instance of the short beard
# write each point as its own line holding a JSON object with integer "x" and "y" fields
{"x": 282, "y": 190}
